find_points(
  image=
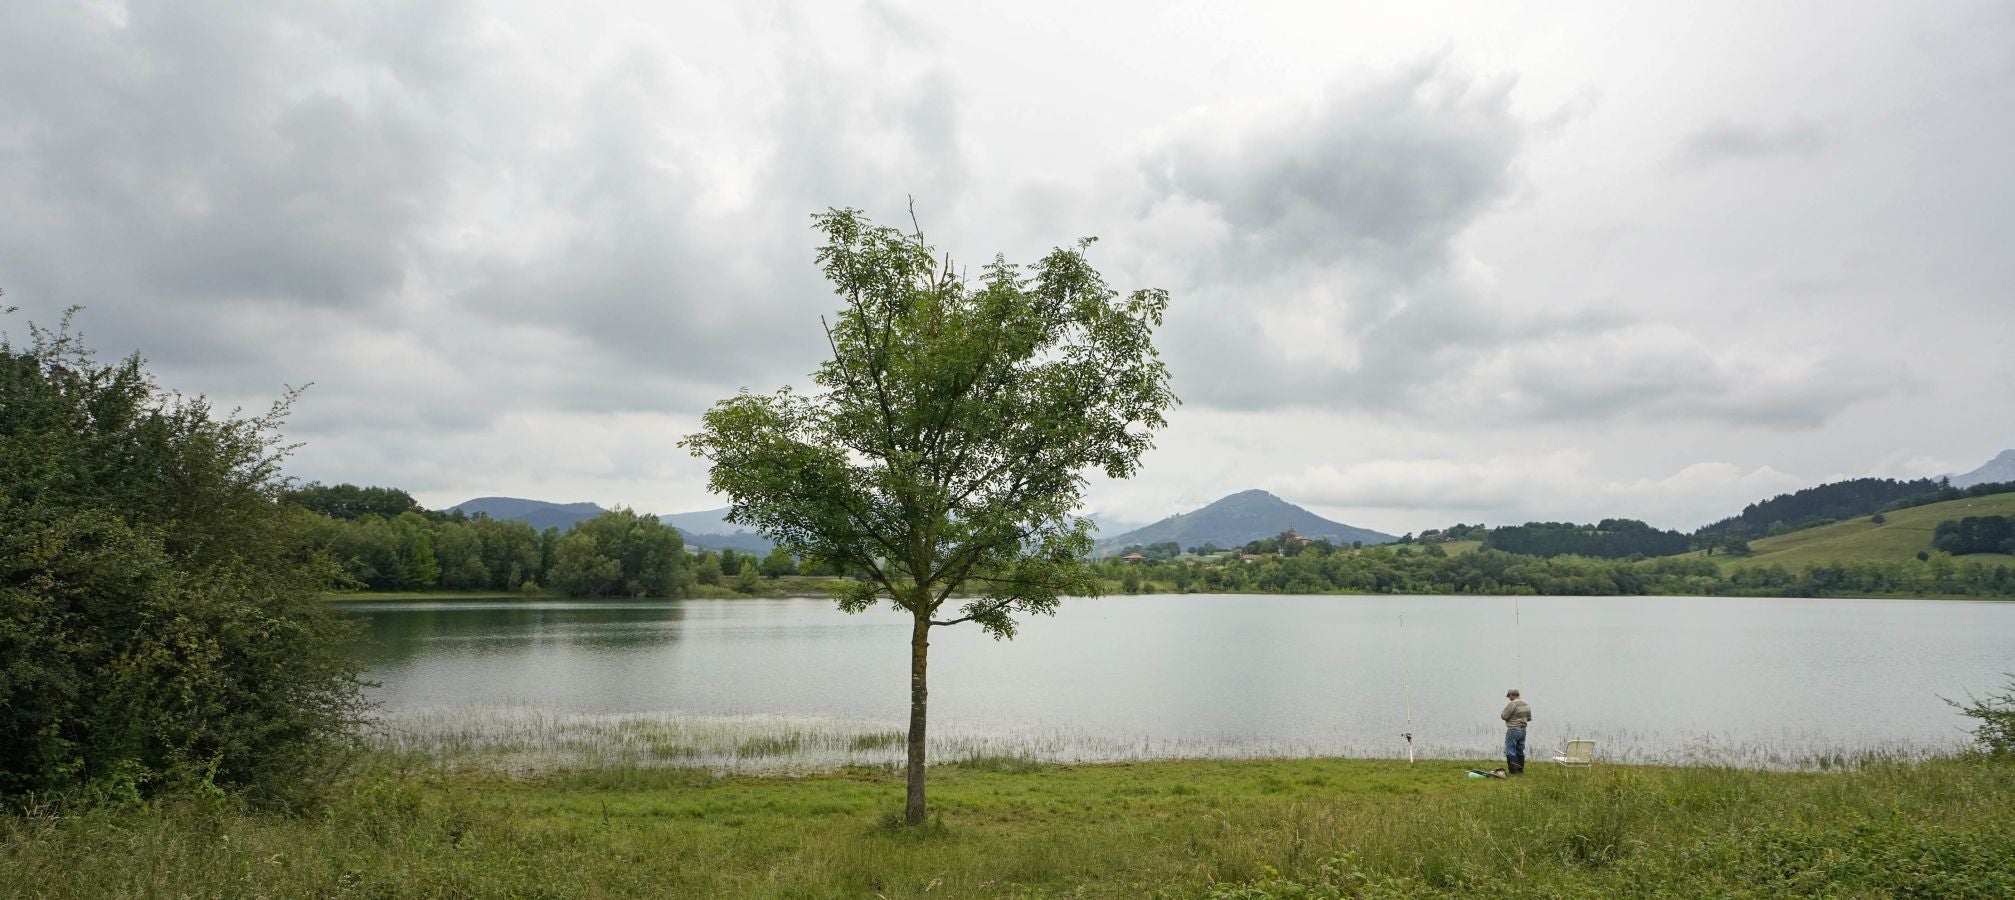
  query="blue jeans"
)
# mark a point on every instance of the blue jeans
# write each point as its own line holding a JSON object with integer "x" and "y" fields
{"x": 1514, "y": 745}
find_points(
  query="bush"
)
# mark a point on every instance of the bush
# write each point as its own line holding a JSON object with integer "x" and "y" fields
{"x": 1996, "y": 732}
{"x": 159, "y": 620}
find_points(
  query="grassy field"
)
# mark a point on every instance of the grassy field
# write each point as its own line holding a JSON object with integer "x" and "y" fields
{"x": 1004, "y": 828}
{"x": 1906, "y": 532}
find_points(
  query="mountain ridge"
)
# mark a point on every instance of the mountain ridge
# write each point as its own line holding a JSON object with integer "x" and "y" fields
{"x": 1235, "y": 519}
{"x": 543, "y": 514}
{"x": 2000, "y": 468}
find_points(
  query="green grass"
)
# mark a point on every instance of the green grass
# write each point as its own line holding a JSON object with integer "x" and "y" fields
{"x": 1906, "y": 532}
{"x": 1006, "y": 828}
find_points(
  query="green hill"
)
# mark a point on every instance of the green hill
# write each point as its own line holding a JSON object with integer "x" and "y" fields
{"x": 1906, "y": 532}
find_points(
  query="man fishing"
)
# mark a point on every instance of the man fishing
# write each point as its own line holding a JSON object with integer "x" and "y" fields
{"x": 1517, "y": 714}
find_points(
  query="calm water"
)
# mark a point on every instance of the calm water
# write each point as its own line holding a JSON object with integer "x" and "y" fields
{"x": 1756, "y": 681}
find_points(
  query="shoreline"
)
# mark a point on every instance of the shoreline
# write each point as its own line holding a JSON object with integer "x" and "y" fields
{"x": 447, "y": 596}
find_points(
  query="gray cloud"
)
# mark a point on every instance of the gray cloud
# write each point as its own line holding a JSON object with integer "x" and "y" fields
{"x": 1726, "y": 142}
{"x": 1320, "y": 265}
{"x": 525, "y": 245}
{"x": 423, "y": 215}
{"x": 1385, "y": 173}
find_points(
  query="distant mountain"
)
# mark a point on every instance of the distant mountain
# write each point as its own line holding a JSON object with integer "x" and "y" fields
{"x": 700, "y": 529}
{"x": 710, "y": 528}
{"x": 1999, "y": 469}
{"x": 740, "y": 541}
{"x": 1229, "y": 522}
{"x": 707, "y": 521}
{"x": 1237, "y": 519}
{"x": 1112, "y": 527}
{"x": 539, "y": 514}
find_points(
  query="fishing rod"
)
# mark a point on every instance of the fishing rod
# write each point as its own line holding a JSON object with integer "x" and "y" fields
{"x": 1518, "y": 642}
{"x": 1406, "y": 679}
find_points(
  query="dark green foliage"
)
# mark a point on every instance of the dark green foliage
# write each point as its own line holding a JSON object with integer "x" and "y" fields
{"x": 1995, "y": 734}
{"x": 779, "y": 563}
{"x": 620, "y": 554}
{"x": 348, "y": 501}
{"x": 707, "y": 569}
{"x": 412, "y": 551}
{"x": 158, "y": 619}
{"x": 1413, "y": 569}
{"x": 1163, "y": 550}
{"x": 747, "y": 579}
{"x": 1608, "y": 539}
{"x": 1975, "y": 534}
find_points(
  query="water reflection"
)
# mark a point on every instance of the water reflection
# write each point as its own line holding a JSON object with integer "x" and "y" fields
{"x": 400, "y": 633}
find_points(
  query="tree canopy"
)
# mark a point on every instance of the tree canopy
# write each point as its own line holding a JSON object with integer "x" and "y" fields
{"x": 948, "y": 439}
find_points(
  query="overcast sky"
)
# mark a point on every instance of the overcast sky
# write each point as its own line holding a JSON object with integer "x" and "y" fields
{"x": 1429, "y": 263}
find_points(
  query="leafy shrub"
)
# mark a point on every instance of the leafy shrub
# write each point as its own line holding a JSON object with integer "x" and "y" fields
{"x": 1996, "y": 732}
{"x": 159, "y": 624}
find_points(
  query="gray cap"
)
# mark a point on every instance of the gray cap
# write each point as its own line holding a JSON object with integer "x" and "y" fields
{"x": 1511, "y": 693}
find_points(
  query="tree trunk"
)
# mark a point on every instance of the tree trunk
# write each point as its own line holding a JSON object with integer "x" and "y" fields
{"x": 920, "y": 645}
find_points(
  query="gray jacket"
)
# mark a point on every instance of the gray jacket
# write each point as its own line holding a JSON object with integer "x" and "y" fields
{"x": 1516, "y": 714}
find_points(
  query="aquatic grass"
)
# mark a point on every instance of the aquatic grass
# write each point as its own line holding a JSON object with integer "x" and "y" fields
{"x": 876, "y": 740}
{"x": 526, "y": 741}
{"x": 769, "y": 746}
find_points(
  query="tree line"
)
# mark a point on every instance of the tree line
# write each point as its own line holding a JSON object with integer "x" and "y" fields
{"x": 382, "y": 540}
{"x": 1608, "y": 539}
{"x": 1430, "y": 569}
{"x": 1785, "y": 513}
{"x": 1975, "y": 534}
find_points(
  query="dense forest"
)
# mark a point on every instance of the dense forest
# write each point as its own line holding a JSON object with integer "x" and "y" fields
{"x": 1975, "y": 534}
{"x": 1608, "y": 539}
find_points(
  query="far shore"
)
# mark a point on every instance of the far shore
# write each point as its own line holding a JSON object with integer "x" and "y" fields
{"x": 804, "y": 591}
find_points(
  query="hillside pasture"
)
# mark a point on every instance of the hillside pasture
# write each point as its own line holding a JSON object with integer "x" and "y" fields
{"x": 1905, "y": 532}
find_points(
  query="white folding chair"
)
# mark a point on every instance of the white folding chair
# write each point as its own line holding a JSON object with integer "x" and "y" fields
{"x": 1578, "y": 753}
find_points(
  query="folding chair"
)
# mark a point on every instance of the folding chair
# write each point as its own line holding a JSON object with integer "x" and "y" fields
{"x": 1578, "y": 753}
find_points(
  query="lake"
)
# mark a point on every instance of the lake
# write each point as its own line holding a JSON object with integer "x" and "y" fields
{"x": 789, "y": 683}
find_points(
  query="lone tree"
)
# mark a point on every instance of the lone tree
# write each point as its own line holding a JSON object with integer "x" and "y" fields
{"x": 947, "y": 443}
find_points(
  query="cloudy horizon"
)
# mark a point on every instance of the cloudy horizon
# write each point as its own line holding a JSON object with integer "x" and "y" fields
{"x": 1451, "y": 263}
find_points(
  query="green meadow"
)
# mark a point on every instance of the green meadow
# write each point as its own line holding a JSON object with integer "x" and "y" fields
{"x": 1904, "y": 533}
{"x": 1004, "y": 827}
